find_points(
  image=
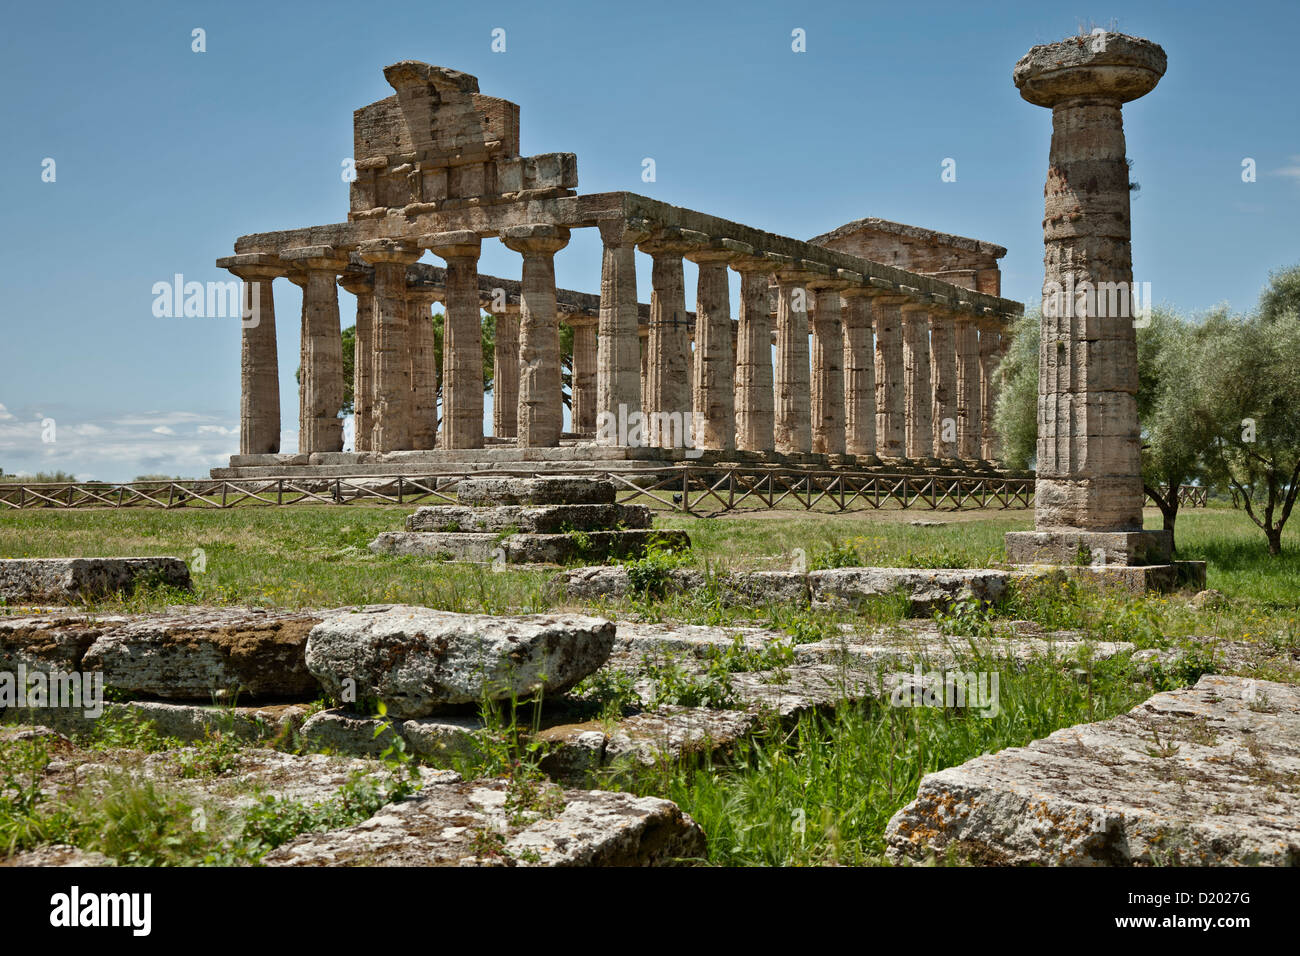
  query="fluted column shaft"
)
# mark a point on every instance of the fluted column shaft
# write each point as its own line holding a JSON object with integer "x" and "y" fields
{"x": 585, "y": 363}
{"x": 945, "y": 404}
{"x": 462, "y": 340}
{"x": 618, "y": 344}
{"x": 363, "y": 344}
{"x": 827, "y": 387}
{"x": 969, "y": 398}
{"x": 390, "y": 422}
{"x": 424, "y": 369}
{"x": 990, "y": 353}
{"x": 859, "y": 375}
{"x": 259, "y": 373}
{"x": 793, "y": 422}
{"x": 668, "y": 370}
{"x": 505, "y": 373}
{"x": 714, "y": 367}
{"x": 917, "y": 394}
{"x": 541, "y": 406}
{"x": 891, "y": 428}
{"x": 754, "y": 382}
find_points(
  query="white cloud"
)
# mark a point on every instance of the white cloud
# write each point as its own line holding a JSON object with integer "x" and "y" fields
{"x": 4, "y": 414}
{"x": 1290, "y": 172}
{"x": 163, "y": 430}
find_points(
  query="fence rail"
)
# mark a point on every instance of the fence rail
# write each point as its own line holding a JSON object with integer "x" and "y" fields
{"x": 691, "y": 489}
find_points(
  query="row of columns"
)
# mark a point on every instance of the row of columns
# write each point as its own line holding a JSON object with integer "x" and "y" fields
{"x": 862, "y": 367}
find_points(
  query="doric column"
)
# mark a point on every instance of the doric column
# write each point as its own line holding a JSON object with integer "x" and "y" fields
{"x": 969, "y": 399}
{"x": 362, "y": 285}
{"x": 462, "y": 340}
{"x": 585, "y": 358}
{"x": 917, "y": 394}
{"x": 714, "y": 393}
{"x": 891, "y": 417}
{"x": 505, "y": 373}
{"x": 618, "y": 344}
{"x": 859, "y": 370}
{"x": 320, "y": 371}
{"x": 668, "y": 373}
{"x": 259, "y": 373}
{"x": 945, "y": 404}
{"x": 827, "y": 392}
{"x": 1089, "y": 450}
{"x": 990, "y": 354}
{"x": 754, "y": 409}
{"x": 793, "y": 385}
{"x": 390, "y": 421}
{"x": 424, "y": 366}
{"x": 541, "y": 405}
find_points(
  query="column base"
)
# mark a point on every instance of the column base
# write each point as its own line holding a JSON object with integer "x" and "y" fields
{"x": 1076, "y": 547}
{"x": 1138, "y": 579}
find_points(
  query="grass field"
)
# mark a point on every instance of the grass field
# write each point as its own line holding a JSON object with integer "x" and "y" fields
{"x": 822, "y": 791}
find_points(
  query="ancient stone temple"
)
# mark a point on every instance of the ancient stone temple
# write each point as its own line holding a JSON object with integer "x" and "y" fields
{"x": 875, "y": 343}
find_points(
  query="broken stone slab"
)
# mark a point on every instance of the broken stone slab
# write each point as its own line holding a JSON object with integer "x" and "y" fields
{"x": 207, "y": 654}
{"x": 552, "y": 490}
{"x": 925, "y": 590}
{"x": 468, "y": 824}
{"x": 522, "y": 519}
{"x": 1202, "y": 776}
{"x": 485, "y": 547}
{"x": 50, "y": 642}
{"x": 440, "y": 739}
{"x": 417, "y": 661}
{"x": 185, "y": 722}
{"x": 77, "y": 580}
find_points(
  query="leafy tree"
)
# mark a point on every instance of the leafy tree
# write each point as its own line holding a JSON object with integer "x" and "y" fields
{"x": 1015, "y": 416}
{"x": 1245, "y": 393}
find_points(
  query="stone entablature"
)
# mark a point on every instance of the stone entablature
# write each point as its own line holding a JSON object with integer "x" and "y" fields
{"x": 439, "y": 171}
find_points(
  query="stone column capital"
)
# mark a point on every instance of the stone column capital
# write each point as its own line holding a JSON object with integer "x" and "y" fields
{"x": 253, "y": 266}
{"x": 719, "y": 251}
{"x": 535, "y": 240}
{"x": 316, "y": 258}
{"x": 672, "y": 242}
{"x": 400, "y": 251}
{"x": 461, "y": 244}
{"x": 1111, "y": 65}
{"x": 358, "y": 283}
{"x": 623, "y": 232}
{"x": 424, "y": 294}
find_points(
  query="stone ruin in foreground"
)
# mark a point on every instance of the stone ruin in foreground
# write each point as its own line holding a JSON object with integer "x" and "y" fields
{"x": 886, "y": 336}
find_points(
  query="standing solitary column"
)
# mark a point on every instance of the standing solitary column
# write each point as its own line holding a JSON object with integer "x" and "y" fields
{"x": 917, "y": 396}
{"x": 424, "y": 367}
{"x": 585, "y": 352}
{"x": 714, "y": 368}
{"x": 859, "y": 373}
{"x": 668, "y": 366}
{"x": 541, "y": 405}
{"x": 754, "y": 355}
{"x": 361, "y": 285}
{"x": 618, "y": 344}
{"x": 943, "y": 380}
{"x": 793, "y": 384}
{"x": 505, "y": 373}
{"x": 390, "y": 423}
{"x": 259, "y": 373}
{"x": 827, "y": 392}
{"x": 891, "y": 417}
{"x": 969, "y": 404}
{"x": 462, "y": 340}
{"x": 1089, "y": 484}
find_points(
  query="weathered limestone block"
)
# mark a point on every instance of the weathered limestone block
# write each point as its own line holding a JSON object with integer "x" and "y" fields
{"x": 64, "y": 580}
{"x": 50, "y": 642}
{"x": 534, "y": 491}
{"x": 594, "y": 828}
{"x": 926, "y": 590}
{"x": 186, "y": 722}
{"x": 437, "y": 738}
{"x": 58, "y": 854}
{"x": 528, "y": 548}
{"x": 1089, "y": 547}
{"x": 196, "y": 654}
{"x": 1194, "y": 777}
{"x": 539, "y": 519}
{"x": 478, "y": 547}
{"x": 417, "y": 661}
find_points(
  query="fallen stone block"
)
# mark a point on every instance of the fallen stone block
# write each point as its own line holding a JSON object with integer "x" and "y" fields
{"x": 77, "y": 580}
{"x": 417, "y": 661}
{"x": 1202, "y": 776}
{"x": 207, "y": 654}
{"x": 468, "y": 824}
{"x": 437, "y": 738}
{"x": 924, "y": 589}
{"x": 51, "y": 641}
{"x": 185, "y": 722}
{"x": 476, "y": 547}
{"x": 521, "y": 519}
{"x": 486, "y": 547}
{"x": 554, "y": 490}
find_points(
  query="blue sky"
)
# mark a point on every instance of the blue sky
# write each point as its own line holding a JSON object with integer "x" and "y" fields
{"x": 163, "y": 156}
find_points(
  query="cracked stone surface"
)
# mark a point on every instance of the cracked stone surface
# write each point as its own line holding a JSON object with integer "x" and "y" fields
{"x": 1202, "y": 776}
{"x": 469, "y": 824}
{"x": 71, "y": 580}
